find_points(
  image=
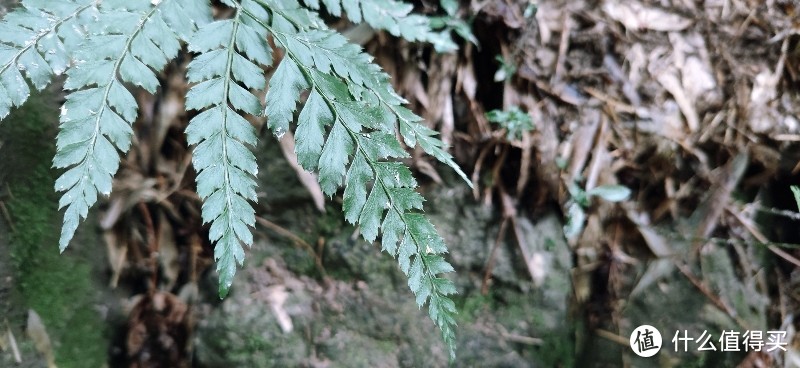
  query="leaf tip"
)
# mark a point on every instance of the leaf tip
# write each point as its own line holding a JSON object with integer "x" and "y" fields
{"x": 224, "y": 289}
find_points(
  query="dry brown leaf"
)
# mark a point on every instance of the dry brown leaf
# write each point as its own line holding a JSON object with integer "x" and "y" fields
{"x": 525, "y": 162}
{"x": 447, "y": 127}
{"x": 9, "y": 342}
{"x": 276, "y": 296}
{"x": 601, "y": 161}
{"x": 706, "y": 216}
{"x": 764, "y": 91}
{"x": 412, "y": 86}
{"x": 441, "y": 75}
{"x": 465, "y": 77}
{"x": 168, "y": 253}
{"x": 130, "y": 188}
{"x": 638, "y": 17}
{"x": 691, "y": 57}
{"x": 658, "y": 244}
{"x": 308, "y": 179}
{"x": 672, "y": 84}
{"x": 426, "y": 168}
{"x": 582, "y": 143}
{"x": 549, "y": 18}
{"x": 41, "y": 340}
{"x": 509, "y": 12}
{"x": 117, "y": 250}
{"x": 539, "y": 262}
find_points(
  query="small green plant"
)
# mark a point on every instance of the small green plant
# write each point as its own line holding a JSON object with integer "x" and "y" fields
{"x": 506, "y": 69}
{"x": 452, "y": 22}
{"x": 513, "y": 120}
{"x": 580, "y": 199}
{"x": 530, "y": 9}
{"x": 346, "y": 130}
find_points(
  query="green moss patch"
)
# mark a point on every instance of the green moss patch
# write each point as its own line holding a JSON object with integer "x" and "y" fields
{"x": 58, "y": 287}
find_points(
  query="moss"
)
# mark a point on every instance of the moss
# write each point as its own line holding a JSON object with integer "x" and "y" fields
{"x": 240, "y": 335}
{"x": 557, "y": 350}
{"x": 473, "y": 305}
{"x": 57, "y": 287}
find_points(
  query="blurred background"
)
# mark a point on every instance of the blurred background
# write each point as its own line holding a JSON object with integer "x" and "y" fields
{"x": 631, "y": 162}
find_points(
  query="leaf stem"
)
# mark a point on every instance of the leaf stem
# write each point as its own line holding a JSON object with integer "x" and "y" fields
{"x": 227, "y": 78}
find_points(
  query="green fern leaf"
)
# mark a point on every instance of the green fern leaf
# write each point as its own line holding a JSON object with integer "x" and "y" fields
{"x": 33, "y": 38}
{"x": 288, "y": 15}
{"x": 97, "y": 116}
{"x": 225, "y": 165}
{"x": 332, "y": 54}
{"x": 284, "y": 91}
{"x": 390, "y": 15}
{"x": 311, "y": 124}
{"x": 334, "y": 158}
{"x": 355, "y": 194}
{"x": 353, "y": 97}
{"x": 390, "y": 209}
{"x": 414, "y": 133}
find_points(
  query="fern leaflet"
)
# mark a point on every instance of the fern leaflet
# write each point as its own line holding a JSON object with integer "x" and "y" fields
{"x": 224, "y": 164}
{"x": 33, "y": 39}
{"x": 331, "y": 53}
{"x": 124, "y": 44}
{"x": 393, "y": 16}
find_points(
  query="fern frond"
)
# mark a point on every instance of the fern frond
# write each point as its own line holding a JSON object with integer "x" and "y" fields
{"x": 390, "y": 15}
{"x": 347, "y": 129}
{"x": 33, "y": 38}
{"x": 224, "y": 164}
{"x": 380, "y": 194}
{"x": 331, "y": 53}
{"x": 127, "y": 42}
